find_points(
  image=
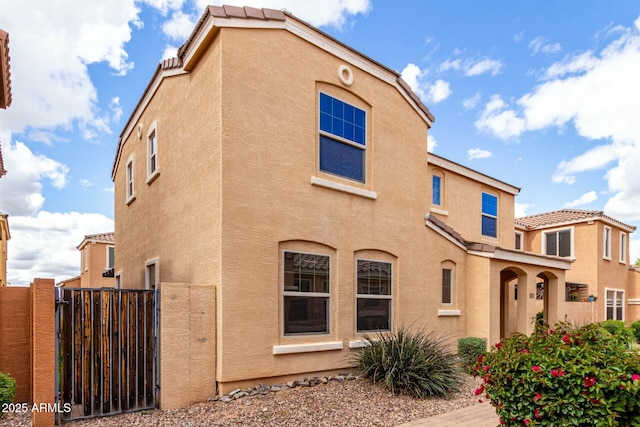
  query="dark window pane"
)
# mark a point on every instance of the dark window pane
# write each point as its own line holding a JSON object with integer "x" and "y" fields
{"x": 564, "y": 243}
{"x": 342, "y": 119}
{"x": 374, "y": 314}
{"x": 325, "y": 122}
{"x": 446, "y": 286}
{"x": 489, "y": 226}
{"x": 325, "y": 104}
{"x": 552, "y": 245}
{"x": 338, "y": 109}
{"x": 359, "y": 135}
{"x": 435, "y": 190}
{"x": 374, "y": 277}
{"x": 341, "y": 159}
{"x": 305, "y": 315}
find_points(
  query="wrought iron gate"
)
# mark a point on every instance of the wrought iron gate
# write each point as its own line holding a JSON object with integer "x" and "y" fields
{"x": 106, "y": 351}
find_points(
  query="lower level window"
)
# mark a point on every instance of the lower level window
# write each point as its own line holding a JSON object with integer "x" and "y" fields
{"x": 615, "y": 304}
{"x": 306, "y": 293}
{"x": 374, "y": 296}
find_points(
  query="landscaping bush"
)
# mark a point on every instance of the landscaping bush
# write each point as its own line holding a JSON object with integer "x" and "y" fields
{"x": 7, "y": 390}
{"x": 468, "y": 351}
{"x": 619, "y": 328}
{"x": 564, "y": 376}
{"x": 415, "y": 363}
{"x": 635, "y": 327}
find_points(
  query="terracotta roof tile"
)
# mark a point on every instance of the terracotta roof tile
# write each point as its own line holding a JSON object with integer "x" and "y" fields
{"x": 566, "y": 216}
{"x": 5, "y": 70}
{"x": 103, "y": 237}
{"x": 3, "y": 171}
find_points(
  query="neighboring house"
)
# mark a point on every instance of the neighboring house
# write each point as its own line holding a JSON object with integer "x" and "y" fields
{"x": 598, "y": 247}
{"x": 96, "y": 263}
{"x": 5, "y": 71}
{"x": 290, "y": 173}
{"x": 4, "y": 241}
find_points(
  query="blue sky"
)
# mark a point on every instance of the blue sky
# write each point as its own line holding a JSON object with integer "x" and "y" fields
{"x": 544, "y": 98}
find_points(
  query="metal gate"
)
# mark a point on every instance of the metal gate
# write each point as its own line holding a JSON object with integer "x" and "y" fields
{"x": 106, "y": 351}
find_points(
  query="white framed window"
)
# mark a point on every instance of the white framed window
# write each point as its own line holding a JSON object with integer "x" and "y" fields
{"x": 152, "y": 152}
{"x": 558, "y": 242}
{"x": 606, "y": 254}
{"x": 519, "y": 241}
{"x": 489, "y": 215}
{"x": 152, "y": 274}
{"x": 110, "y": 257}
{"x": 614, "y": 304}
{"x": 342, "y": 137}
{"x": 130, "y": 174}
{"x": 118, "y": 280}
{"x": 436, "y": 190}
{"x": 447, "y": 286}
{"x": 374, "y": 300}
{"x": 306, "y": 285}
{"x": 623, "y": 247}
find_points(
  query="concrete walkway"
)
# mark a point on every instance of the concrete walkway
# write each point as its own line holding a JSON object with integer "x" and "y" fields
{"x": 478, "y": 415}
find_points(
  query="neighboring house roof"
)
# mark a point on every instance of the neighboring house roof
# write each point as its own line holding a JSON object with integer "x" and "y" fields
{"x": 492, "y": 251}
{"x": 63, "y": 283}
{"x": 3, "y": 171}
{"x": 452, "y": 166}
{"x": 569, "y": 216}
{"x": 5, "y": 221}
{"x": 108, "y": 237}
{"x": 215, "y": 17}
{"x": 5, "y": 71}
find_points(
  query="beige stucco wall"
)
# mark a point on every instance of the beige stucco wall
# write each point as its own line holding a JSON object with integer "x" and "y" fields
{"x": 462, "y": 202}
{"x": 94, "y": 266}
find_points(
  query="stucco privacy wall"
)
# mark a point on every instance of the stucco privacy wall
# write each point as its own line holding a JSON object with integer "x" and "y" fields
{"x": 15, "y": 338}
{"x": 187, "y": 344}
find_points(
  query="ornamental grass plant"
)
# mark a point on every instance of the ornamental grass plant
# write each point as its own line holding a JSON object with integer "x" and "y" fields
{"x": 563, "y": 376}
{"x": 416, "y": 363}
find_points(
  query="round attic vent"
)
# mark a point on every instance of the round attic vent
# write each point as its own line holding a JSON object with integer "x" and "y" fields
{"x": 345, "y": 74}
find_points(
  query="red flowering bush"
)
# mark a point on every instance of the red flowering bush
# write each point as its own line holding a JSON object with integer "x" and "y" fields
{"x": 564, "y": 376}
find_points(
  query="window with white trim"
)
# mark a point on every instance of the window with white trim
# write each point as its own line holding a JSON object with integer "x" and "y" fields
{"x": 306, "y": 293}
{"x": 343, "y": 138}
{"x": 152, "y": 151}
{"x": 623, "y": 247}
{"x": 374, "y": 297}
{"x": 129, "y": 180}
{"x": 110, "y": 257}
{"x": 118, "y": 280}
{"x": 607, "y": 243}
{"x": 489, "y": 215}
{"x": 436, "y": 190}
{"x": 152, "y": 274}
{"x": 447, "y": 286}
{"x": 558, "y": 243}
{"x": 614, "y": 304}
{"x": 519, "y": 242}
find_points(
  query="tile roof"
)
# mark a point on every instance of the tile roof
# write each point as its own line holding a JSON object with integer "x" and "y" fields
{"x": 565, "y": 216}
{"x": 5, "y": 70}
{"x": 3, "y": 171}
{"x": 101, "y": 237}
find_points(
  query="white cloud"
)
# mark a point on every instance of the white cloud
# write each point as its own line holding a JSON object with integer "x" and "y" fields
{"x": 335, "y": 13}
{"x": 595, "y": 158}
{"x": 472, "y": 101}
{"x": 520, "y": 209}
{"x": 585, "y": 199}
{"x": 86, "y": 183}
{"x": 432, "y": 143}
{"x": 21, "y": 187}
{"x": 44, "y": 245}
{"x": 539, "y": 44}
{"x": 478, "y": 153}
{"x": 634, "y": 250}
{"x": 473, "y": 67}
{"x": 180, "y": 26}
{"x": 430, "y": 93}
{"x": 499, "y": 121}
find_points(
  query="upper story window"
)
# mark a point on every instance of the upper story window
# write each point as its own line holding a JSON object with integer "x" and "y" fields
{"x": 623, "y": 247}
{"x": 607, "y": 243}
{"x": 558, "y": 243}
{"x": 110, "y": 256}
{"x": 519, "y": 241}
{"x": 374, "y": 295}
{"x": 129, "y": 180}
{"x": 152, "y": 274}
{"x": 489, "y": 215}
{"x": 152, "y": 151}
{"x": 436, "y": 190}
{"x": 306, "y": 292}
{"x": 342, "y": 138}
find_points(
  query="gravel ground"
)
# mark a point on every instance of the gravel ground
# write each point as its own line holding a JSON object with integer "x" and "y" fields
{"x": 351, "y": 403}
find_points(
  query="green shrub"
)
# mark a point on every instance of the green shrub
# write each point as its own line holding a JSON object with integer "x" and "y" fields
{"x": 618, "y": 327}
{"x": 7, "y": 390}
{"x": 415, "y": 363}
{"x": 469, "y": 349}
{"x": 635, "y": 327}
{"x": 565, "y": 376}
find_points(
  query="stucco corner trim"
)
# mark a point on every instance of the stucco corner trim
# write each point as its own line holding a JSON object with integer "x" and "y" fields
{"x": 344, "y": 188}
{"x": 446, "y": 313}
{"x": 307, "y": 348}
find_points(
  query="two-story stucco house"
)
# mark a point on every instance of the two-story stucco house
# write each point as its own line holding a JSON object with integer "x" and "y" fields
{"x": 600, "y": 284}
{"x": 96, "y": 263}
{"x": 288, "y": 174}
